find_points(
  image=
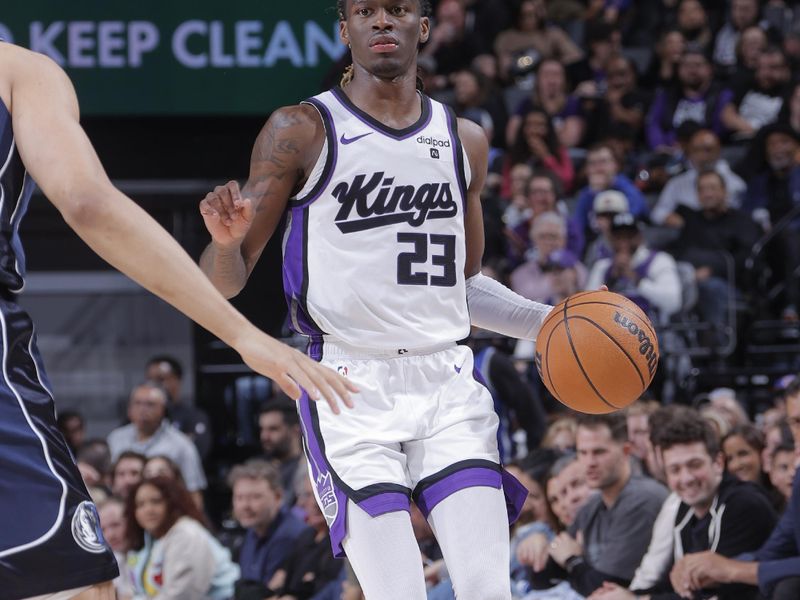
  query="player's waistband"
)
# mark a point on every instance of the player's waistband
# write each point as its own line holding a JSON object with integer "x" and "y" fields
{"x": 339, "y": 349}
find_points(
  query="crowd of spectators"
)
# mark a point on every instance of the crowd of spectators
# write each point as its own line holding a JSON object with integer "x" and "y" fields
{"x": 650, "y": 146}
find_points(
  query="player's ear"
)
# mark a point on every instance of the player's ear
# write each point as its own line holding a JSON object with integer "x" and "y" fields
{"x": 424, "y": 29}
{"x": 344, "y": 35}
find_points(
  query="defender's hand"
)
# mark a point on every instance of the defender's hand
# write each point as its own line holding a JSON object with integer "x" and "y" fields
{"x": 293, "y": 370}
{"x": 227, "y": 215}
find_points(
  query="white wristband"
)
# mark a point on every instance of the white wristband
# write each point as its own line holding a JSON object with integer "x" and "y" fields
{"x": 494, "y": 307}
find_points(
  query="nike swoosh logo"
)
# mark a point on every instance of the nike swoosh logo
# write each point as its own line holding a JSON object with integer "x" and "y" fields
{"x": 346, "y": 141}
{"x": 458, "y": 369}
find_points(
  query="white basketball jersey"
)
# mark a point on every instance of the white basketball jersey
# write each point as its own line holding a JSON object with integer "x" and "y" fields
{"x": 374, "y": 244}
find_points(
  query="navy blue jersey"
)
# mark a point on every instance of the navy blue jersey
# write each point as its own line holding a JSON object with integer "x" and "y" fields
{"x": 50, "y": 537}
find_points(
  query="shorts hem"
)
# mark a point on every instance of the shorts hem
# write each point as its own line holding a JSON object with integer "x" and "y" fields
{"x": 86, "y": 578}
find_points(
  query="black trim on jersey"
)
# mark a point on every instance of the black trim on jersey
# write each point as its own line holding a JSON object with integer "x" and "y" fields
{"x": 330, "y": 159}
{"x": 398, "y": 134}
{"x": 304, "y": 290}
{"x": 458, "y": 150}
{"x": 471, "y": 463}
{"x": 364, "y": 493}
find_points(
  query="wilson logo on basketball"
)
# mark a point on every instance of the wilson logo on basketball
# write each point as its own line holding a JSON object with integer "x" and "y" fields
{"x": 646, "y": 346}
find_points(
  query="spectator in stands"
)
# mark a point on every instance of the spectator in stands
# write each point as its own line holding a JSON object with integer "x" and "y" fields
{"x": 475, "y": 99}
{"x": 309, "y": 567}
{"x": 782, "y": 470}
{"x": 514, "y": 192}
{"x": 648, "y": 277}
{"x": 776, "y": 433}
{"x": 743, "y": 14}
{"x": 663, "y": 69}
{"x": 743, "y": 447}
{"x": 606, "y": 204}
{"x": 70, "y": 424}
{"x": 716, "y": 240}
{"x": 163, "y": 466}
{"x": 752, "y": 42}
{"x": 149, "y": 433}
{"x": 542, "y": 196}
{"x": 188, "y": 418}
{"x": 637, "y": 417}
{"x": 560, "y": 435}
{"x": 537, "y": 144}
{"x": 775, "y": 566}
{"x": 552, "y": 272}
{"x": 758, "y": 103}
{"x": 694, "y": 97}
{"x": 171, "y": 554}
{"x": 703, "y": 153}
{"x": 614, "y": 526}
{"x": 112, "y": 521}
{"x": 717, "y": 511}
{"x": 126, "y": 473}
{"x": 772, "y": 196}
{"x": 573, "y": 490}
{"x": 94, "y": 462}
{"x": 272, "y": 528}
{"x": 279, "y": 432}
{"x": 588, "y": 76}
{"x": 550, "y": 93}
{"x": 692, "y": 21}
{"x": 603, "y": 173}
{"x": 449, "y": 43}
{"x": 532, "y": 31}
{"x": 623, "y": 105}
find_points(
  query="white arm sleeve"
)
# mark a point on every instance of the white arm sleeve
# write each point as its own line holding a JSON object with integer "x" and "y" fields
{"x": 494, "y": 307}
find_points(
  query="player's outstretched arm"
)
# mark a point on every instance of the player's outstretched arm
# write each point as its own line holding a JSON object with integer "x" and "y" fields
{"x": 241, "y": 222}
{"x": 61, "y": 159}
{"x": 492, "y": 306}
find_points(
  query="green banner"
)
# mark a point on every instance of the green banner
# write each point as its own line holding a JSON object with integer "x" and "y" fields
{"x": 162, "y": 57}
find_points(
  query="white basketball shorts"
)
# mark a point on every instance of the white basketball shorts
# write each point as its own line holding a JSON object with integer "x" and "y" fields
{"x": 422, "y": 427}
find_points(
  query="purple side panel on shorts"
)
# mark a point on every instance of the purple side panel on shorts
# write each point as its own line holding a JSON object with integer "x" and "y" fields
{"x": 515, "y": 494}
{"x": 436, "y": 492}
{"x": 380, "y": 504}
{"x": 294, "y": 273}
{"x": 333, "y": 501}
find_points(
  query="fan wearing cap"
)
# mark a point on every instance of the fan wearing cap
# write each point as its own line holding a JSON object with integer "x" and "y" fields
{"x": 553, "y": 272}
{"x": 606, "y": 204}
{"x": 648, "y": 277}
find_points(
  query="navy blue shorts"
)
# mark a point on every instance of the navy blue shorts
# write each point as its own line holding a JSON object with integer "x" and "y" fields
{"x": 50, "y": 536}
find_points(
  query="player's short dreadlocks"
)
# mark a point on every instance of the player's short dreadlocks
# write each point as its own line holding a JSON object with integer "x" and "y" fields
{"x": 341, "y": 9}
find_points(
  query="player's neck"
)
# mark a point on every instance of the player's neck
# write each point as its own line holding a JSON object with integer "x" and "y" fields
{"x": 394, "y": 102}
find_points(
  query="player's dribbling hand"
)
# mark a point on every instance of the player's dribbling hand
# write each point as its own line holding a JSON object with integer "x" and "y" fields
{"x": 227, "y": 215}
{"x": 293, "y": 370}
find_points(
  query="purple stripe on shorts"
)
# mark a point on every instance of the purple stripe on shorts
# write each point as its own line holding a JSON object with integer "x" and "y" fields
{"x": 515, "y": 494}
{"x": 436, "y": 492}
{"x": 293, "y": 274}
{"x": 332, "y": 500}
{"x": 386, "y": 502}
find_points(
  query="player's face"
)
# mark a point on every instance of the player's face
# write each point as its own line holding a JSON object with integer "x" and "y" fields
{"x": 384, "y": 35}
{"x": 782, "y": 473}
{"x": 742, "y": 459}
{"x": 255, "y": 503}
{"x": 150, "y": 510}
{"x": 127, "y": 475}
{"x": 693, "y": 474}
{"x": 113, "y": 523}
{"x": 601, "y": 456}
{"x": 275, "y": 435}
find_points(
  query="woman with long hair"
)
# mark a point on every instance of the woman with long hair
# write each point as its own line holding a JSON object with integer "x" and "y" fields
{"x": 537, "y": 144}
{"x": 171, "y": 556}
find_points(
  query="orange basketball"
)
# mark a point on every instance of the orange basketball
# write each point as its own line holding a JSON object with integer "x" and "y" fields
{"x": 597, "y": 352}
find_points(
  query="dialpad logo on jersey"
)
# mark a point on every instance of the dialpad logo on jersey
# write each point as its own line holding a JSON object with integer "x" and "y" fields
{"x": 86, "y": 528}
{"x": 327, "y": 497}
{"x": 429, "y": 141}
{"x": 377, "y": 202}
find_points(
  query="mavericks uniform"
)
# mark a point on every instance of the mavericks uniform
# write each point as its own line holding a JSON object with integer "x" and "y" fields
{"x": 374, "y": 253}
{"x": 50, "y": 537}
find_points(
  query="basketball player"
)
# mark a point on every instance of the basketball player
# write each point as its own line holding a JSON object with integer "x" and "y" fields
{"x": 380, "y": 190}
{"x": 51, "y": 545}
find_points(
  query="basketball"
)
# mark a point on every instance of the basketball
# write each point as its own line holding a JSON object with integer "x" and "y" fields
{"x": 597, "y": 352}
